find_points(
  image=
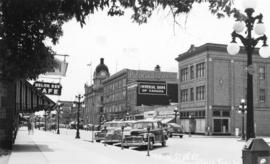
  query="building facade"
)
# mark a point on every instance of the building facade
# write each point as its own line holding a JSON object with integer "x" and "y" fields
{"x": 211, "y": 85}
{"x": 94, "y": 96}
{"x": 127, "y": 90}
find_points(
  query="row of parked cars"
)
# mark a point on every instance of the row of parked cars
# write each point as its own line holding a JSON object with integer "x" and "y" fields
{"x": 136, "y": 133}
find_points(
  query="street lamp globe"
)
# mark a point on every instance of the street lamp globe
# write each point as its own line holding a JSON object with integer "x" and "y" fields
{"x": 83, "y": 105}
{"x": 233, "y": 48}
{"x": 239, "y": 26}
{"x": 243, "y": 101}
{"x": 249, "y": 4}
{"x": 259, "y": 29}
{"x": 264, "y": 51}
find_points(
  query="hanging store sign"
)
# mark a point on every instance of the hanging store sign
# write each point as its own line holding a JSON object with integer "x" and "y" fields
{"x": 153, "y": 88}
{"x": 48, "y": 88}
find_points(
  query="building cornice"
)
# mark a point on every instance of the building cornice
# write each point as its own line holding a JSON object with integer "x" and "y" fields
{"x": 193, "y": 51}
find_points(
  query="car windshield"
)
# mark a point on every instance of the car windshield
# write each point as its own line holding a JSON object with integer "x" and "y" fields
{"x": 142, "y": 125}
{"x": 175, "y": 125}
{"x": 129, "y": 124}
{"x": 113, "y": 124}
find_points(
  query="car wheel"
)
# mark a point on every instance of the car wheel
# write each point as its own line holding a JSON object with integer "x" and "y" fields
{"x": 181, "y": 136}
{"x": 97, "y": 140}
{"x": 170, "y": 135}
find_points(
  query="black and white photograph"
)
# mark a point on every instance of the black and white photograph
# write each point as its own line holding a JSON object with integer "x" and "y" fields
{"x": 134, "y": 82}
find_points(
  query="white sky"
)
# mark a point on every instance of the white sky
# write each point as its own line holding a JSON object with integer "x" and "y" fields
{"x": 124, "y": 44}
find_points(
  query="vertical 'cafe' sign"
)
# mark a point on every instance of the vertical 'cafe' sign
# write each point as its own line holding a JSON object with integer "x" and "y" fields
{"x": 48, "y": 88}
{"x": 153, "y": 88}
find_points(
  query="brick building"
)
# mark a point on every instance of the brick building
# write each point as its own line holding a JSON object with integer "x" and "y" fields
{"x": 211, "y": 85}
{"x": 128, "y": 89}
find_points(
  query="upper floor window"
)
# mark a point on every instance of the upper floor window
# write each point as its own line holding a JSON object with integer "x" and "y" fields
{"x": 191, "y": 72}
{"x": 184, "y": 74}
{"x": 191, "y": 94}
{"x": 262, "y": 95}
{"x": 262, "y": 72}
{"x": 200, "y": 70}
{"x": 200, "y": 93}
{"x": 184, "y": 95}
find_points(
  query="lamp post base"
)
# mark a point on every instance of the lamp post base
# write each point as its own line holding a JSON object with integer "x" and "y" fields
{"x": 77, "y": 135}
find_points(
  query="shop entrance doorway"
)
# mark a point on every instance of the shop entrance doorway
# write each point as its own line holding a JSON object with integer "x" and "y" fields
{"x": 221, "y": 125}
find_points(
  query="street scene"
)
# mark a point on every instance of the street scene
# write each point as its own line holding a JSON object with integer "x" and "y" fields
{"x": 48, "y": 147}
{"x": 134, "y": 81}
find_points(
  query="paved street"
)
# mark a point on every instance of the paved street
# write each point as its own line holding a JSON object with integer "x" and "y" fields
{"x": 50, "y": 148}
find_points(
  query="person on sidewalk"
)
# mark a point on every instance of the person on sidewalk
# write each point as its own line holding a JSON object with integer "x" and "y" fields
{"x": 32, "y": 127}
{"x": 29, "y": 126}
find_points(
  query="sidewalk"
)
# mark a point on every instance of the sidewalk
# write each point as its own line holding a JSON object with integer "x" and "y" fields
{"x": 48, "y": 148}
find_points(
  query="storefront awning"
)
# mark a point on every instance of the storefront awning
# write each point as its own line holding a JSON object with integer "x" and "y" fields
{"x": 29, "y": 99}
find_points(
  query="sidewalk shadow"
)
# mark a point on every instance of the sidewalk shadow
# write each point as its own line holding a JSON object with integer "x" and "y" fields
{"x": 31, "y": 148}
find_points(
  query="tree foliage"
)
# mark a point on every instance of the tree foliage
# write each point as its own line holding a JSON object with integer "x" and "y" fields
{"x": 25, "y": 24}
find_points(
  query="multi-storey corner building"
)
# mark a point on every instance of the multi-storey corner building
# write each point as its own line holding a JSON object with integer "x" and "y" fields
{"x": 211, "y": 85}
{"x": 128, "y": 89}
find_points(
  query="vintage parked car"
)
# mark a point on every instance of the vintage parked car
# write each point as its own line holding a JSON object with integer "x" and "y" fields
{"x": 114, "y": 135}
{"x": 139, "y": 136}
{"x": 73, "y": 125}
{"x": 174, "y": 129}
{"x": 108, "y": 127}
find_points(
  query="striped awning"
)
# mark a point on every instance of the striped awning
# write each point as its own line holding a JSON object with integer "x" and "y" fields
{"x": 29, "y": 99}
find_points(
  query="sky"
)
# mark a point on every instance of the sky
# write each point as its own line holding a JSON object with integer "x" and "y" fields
{"x": 125, "y": 44}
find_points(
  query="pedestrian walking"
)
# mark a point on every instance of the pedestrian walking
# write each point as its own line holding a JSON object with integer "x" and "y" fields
{"x": 32, "y": 127}
{"x": 29, "y": 126}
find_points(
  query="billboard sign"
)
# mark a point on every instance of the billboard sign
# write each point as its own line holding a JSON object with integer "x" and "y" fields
{"x": 153, "y": 88}
{"x": 48, "y": 88}
{"x": 60, "y": 70}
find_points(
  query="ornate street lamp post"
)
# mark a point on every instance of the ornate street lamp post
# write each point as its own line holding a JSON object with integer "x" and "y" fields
{"x": 190, "y": 116}
{"x": 242, "y": 110}
{"x": 59, "y": 110}
{"x": 249, "y": 43}
{"x": 79, "y": 104}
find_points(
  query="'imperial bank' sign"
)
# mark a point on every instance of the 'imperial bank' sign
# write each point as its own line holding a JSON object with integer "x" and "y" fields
{"x": 153, "y": 88}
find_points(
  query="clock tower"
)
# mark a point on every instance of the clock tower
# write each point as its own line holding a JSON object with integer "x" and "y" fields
{"x": 94, "y": 113}
{"x": 101, "y": 72}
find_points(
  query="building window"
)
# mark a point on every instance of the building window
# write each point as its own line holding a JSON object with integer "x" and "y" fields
{"x": 184, "y": 95}
{"x": 226, "y": 113}
{"x": 184, "y": 74}
{"x": 262, "y": 95}
{"x": 200, "y": 70}
{"x": 191, "y": 72}
{"x": 262, "y": 72}
{"x": 217, "y": 113}
{"x": 200, "y": 93}
{"x": 191, "y": 94}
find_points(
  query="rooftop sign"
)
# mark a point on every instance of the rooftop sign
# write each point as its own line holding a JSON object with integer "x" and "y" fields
{"x": 153, "y": 88}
